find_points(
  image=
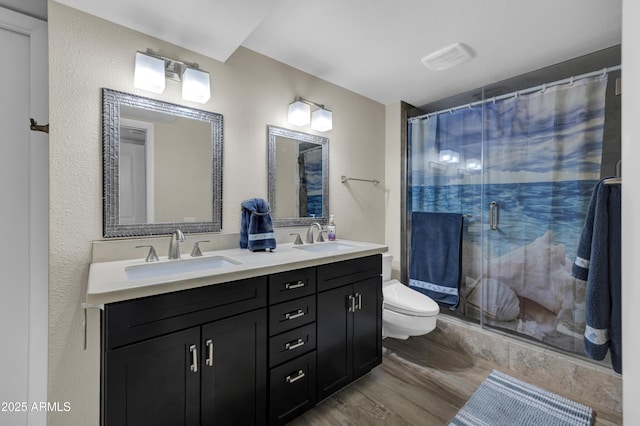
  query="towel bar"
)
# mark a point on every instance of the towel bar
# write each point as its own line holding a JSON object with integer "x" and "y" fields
{"x": 345, "y": 179}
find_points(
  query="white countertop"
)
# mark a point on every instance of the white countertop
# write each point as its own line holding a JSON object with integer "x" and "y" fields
{"x": 108, "y": 281}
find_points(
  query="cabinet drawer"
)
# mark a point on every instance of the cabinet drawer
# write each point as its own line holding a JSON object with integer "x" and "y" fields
{"x": 291, "y": 285}
{"x": 348, "y": 271}
{"x": 293, "y": 389}
{"x": 139, "y": 319}
{"x": 288, "y": 315}
{"x": 289, "y": 345}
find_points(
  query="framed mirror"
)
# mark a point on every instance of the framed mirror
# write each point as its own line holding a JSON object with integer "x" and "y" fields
{"x": 298, "y": 177}
{"x": 162, "y": 166}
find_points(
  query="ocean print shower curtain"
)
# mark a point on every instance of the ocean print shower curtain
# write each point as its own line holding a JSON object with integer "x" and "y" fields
{"x": 527, "y": 164}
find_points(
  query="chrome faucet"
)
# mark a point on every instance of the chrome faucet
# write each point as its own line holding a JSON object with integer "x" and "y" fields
{"x": 310, "y": 232}
{"x": 174, "y": 245}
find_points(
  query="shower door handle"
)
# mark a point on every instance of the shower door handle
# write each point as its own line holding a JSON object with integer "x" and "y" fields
{"x": 493, "y": 215}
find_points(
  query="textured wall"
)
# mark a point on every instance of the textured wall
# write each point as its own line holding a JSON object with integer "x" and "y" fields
{"x": 251, "y": 91}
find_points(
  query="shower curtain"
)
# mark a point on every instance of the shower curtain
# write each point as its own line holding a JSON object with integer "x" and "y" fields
{"x": 527, "y": 165}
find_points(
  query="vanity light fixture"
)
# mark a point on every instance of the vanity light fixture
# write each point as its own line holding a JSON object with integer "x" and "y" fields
{"x": 322, "y": 120}
{"x": 149, "y": 73}
{"x": 300, "y": 115}
{"x": 152, "y": 70}
{"x": 195, "y": 85}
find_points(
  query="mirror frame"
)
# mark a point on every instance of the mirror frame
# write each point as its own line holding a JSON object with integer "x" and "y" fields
{"x": 272, "y": 133}
{"x": 111, "y": 102}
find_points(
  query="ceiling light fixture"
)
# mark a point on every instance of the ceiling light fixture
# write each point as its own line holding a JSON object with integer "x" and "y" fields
{"x": 448, "y": 57}
{"x": 151, "y": 70}
{"x": 300, "y": 115}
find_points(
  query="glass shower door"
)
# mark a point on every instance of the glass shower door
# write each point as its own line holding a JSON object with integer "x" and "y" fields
{"x": 542, "y": 155}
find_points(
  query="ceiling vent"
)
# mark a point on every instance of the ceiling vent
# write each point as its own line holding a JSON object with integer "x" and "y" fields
{"x": 448, "y": 57}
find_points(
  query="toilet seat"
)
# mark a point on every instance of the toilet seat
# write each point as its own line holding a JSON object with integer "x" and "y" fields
{"x": 401, "y": 299}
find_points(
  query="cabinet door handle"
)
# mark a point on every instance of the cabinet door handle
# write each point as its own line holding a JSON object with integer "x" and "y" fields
{"x": 299, "y": 375}
{"x": 293, "y": 315}
{"x": 352, "y": 303}
{"x": 294, "y": 344}
{"x": 209, "y": 360}
{"x": 358, "y": 304}
{"x": 194, "y": 358}
{"x": 293, "y": 286}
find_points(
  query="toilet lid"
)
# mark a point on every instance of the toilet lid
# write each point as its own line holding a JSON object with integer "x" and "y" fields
{"x": 400, "y": 298}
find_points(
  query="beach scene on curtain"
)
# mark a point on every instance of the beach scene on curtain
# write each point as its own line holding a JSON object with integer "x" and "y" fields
{"x": 537, "y": 157}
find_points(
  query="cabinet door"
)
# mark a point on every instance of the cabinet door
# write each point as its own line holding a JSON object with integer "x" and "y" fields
{"x": 154, "y": 382}
{"x": 367, "y": 326}
{"x": 234, "y": 370}
{"x": 334, "y": 340}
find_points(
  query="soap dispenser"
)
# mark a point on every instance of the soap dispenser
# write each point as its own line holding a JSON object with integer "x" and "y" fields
{"x": 331, "y": 229}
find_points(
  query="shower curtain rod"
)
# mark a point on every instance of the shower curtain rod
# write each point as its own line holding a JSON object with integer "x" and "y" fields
{"x": 542, "y": 87}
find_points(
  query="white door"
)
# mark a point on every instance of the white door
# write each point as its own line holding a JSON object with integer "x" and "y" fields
{"x": 24, "y": 185}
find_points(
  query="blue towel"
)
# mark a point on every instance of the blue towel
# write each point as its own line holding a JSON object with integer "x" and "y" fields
{"x": 436, "y": 256}
{"x": 598, "y": 262}
{"x": 256, "y": 227}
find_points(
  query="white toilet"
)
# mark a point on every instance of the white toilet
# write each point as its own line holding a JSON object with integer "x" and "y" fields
{"x": 406, "y": 312}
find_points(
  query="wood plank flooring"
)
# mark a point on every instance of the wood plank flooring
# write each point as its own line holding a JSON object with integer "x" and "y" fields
{"x": 420, "y": 382}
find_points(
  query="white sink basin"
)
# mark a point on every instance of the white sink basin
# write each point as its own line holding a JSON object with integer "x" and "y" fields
{"x": 325, "y": 247}
{"x": 172, "y": 267}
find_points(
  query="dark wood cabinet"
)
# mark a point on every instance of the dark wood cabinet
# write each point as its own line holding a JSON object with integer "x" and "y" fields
{"x": 292, "y": 388}
{"x": 151, "y": 383}
{"x": 212, "y": 373}
{"x": 292, "y": 344}
{"x": 234, "y": 370}
{"x": 250, "y": 352}
{"x": 349, "y": 322}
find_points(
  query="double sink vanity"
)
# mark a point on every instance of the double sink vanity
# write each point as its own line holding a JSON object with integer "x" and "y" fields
{"x": 231, "y": 337}
{"x": 236, "y": 337}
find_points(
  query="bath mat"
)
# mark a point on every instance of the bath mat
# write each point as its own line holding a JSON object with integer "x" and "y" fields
{"x": 502, "y": 400}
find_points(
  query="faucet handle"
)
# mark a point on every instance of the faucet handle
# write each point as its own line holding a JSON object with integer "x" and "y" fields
{"x": 298, "y": 240}
{"x": 320, "y": 239}
{"x": 151, "y": 256}
{"x": 196, "y": 248}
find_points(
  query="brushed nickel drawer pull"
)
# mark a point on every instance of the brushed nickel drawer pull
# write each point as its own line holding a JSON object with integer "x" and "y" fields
{"x": 294, "y": 344}
{"x": 194, "y": 358}
{"x": 358, "y": 298}
{"x": 293, "y": 315}
{"x": 291, "y": 286}
{"x": 351, "y": 303}
{"x": 209, "y": 360}
{"x": 299, "y": 375}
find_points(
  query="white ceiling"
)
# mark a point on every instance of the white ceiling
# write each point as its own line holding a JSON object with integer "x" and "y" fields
{"x": 374, "y": 47}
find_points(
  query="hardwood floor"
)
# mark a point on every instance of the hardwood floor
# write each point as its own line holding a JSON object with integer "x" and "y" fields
{"x": 420, "y": 382}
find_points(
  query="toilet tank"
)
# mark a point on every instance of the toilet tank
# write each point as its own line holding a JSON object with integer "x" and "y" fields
{"x": 386, "y": 266}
